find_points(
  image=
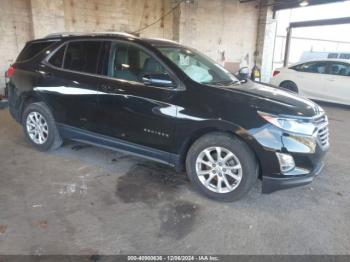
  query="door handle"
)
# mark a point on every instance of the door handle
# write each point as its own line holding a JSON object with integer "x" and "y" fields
{"x": 106, "y": 87}
{"x": 331, "y": 79}
{"x": 48, "y": 74}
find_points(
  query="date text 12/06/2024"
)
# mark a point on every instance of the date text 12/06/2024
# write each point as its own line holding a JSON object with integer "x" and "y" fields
{"x": 173, "y": 258}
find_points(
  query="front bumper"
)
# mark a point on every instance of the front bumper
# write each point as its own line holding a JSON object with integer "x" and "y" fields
{"x": 272, "y": 184}
{"x": 307, "y": 151}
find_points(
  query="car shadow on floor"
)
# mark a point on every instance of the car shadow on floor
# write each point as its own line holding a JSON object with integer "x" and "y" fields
{"x": 138, "y": 180}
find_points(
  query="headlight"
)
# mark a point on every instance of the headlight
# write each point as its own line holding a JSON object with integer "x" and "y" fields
{"x": 294, "y": 125}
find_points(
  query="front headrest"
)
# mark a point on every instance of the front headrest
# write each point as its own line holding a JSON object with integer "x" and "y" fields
{"x": 121, "y": 56}
{"x": 151, "y": 66}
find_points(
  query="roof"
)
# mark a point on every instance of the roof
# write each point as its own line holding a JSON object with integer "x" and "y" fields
{"x": 325, "y": 60}
{"x": 119, "y": 35}
{"x": 161, "y": 42}
{"x": 79, "y": 34}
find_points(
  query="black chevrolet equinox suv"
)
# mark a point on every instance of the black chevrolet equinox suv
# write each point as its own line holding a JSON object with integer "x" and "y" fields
{"x": 169, "y": 103}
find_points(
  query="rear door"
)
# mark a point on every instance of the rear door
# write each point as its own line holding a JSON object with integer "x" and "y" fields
{"x": 70, "y": 83}
{"x": 338, "y": 82}
{"x": 310, "y": 79}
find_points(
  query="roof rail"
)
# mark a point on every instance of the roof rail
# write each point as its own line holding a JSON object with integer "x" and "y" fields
{"x": 162, "y": 39}
{"x": 63, "y": 34}
{"x": 114, "y": 33}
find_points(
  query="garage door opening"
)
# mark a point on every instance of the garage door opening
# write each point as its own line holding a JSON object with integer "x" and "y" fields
{"x": 315, "y": 32}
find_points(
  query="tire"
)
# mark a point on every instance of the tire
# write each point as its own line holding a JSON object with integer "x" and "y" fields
{"x": 34, "y": 114}
{"x": 289, "y": 85}
{"x": 242, "y": 156}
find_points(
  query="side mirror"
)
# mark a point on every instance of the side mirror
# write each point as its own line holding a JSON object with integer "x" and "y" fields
{"x": 243, "y": 73}
{"x": 160, "y": 80}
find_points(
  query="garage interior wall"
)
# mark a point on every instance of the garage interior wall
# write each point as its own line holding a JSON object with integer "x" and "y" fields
{"x": 225, "y": 30}
{"x": 15, "y": 29}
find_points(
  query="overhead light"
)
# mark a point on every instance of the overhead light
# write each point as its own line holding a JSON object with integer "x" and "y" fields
{"x": 304, "y": 3}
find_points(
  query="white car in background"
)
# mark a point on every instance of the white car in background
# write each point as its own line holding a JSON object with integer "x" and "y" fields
{"x": 324, "y": 80}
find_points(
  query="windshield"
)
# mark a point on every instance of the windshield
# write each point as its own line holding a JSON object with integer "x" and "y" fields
{"x": 199, "y": 67}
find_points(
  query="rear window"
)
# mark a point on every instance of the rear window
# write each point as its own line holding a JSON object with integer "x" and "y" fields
{"x": 82, "y": 56}
{"x": 32, "y": 49}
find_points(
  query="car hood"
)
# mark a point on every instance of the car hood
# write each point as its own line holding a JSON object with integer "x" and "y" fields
{"x": 274, "y": 100}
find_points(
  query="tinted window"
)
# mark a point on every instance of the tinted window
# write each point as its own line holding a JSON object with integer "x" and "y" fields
{"x": 337, "y": 68}
{"x": 333, "y": 55}
{"x": 57, "y": 58}
{"x": 312, "y": 67}
{"x": 32, "y": 49}
{"x": 82, "y": 56}
{"x": 344, "y": 56}
{"x": 131, "y": 63}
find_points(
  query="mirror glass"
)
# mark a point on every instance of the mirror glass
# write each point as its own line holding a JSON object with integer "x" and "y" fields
{"x": 243, "y": 73}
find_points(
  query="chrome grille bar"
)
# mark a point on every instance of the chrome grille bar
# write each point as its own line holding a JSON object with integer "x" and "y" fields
{"x": 321, "y": 123}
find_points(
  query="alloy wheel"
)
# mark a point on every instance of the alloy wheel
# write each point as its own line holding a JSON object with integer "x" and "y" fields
{"x": 218, "y": 169}
{"x": 37, "y": 128}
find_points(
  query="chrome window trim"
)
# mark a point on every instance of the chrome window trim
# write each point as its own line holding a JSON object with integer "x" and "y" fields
{"x": 179, "y": 85}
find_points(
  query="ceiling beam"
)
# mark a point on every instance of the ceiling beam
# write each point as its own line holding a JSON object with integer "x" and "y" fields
{"x": 280, "y": 4}
{"x": 333, "y": 21}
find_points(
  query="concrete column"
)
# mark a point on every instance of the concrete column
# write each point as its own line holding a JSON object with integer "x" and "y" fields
{"x": 265, "y": 40}
{"x": 15, "y": 31}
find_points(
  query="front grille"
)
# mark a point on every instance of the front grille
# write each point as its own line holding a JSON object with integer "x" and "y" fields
{"x": 321, "y": 123}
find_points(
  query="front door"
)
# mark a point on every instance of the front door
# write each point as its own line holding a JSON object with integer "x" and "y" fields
{"x": 310, "y": 79}
{"x": 338, "y": 82}
{"x": 131, "y": 110}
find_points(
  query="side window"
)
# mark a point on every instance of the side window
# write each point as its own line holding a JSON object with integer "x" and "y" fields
{"x": 313, "y": 67}
{"x": 341, "y": 69}
{"x": 332, "y": 55}
{"x": 82, "y": 56}
{"x": 344, "y": 56}
{"x": 57, "y": 58}
{"x": 32, "y": 49}
{"x": 131, "y": 63}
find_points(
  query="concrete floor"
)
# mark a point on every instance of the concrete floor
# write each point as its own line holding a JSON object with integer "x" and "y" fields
{"x": 83, "y": 200}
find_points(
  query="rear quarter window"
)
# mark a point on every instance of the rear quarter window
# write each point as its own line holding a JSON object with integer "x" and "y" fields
{"x": 311, "y": 67}
{"x": 32, "y": 49}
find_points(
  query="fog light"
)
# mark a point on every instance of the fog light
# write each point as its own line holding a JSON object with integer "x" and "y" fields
{"x": 286, "y": 162}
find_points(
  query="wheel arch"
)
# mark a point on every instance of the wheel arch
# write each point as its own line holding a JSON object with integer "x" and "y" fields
{"x": 28, "y": 98}
{"x": 292, "y": 82}
{"x": 231, "y": 130}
